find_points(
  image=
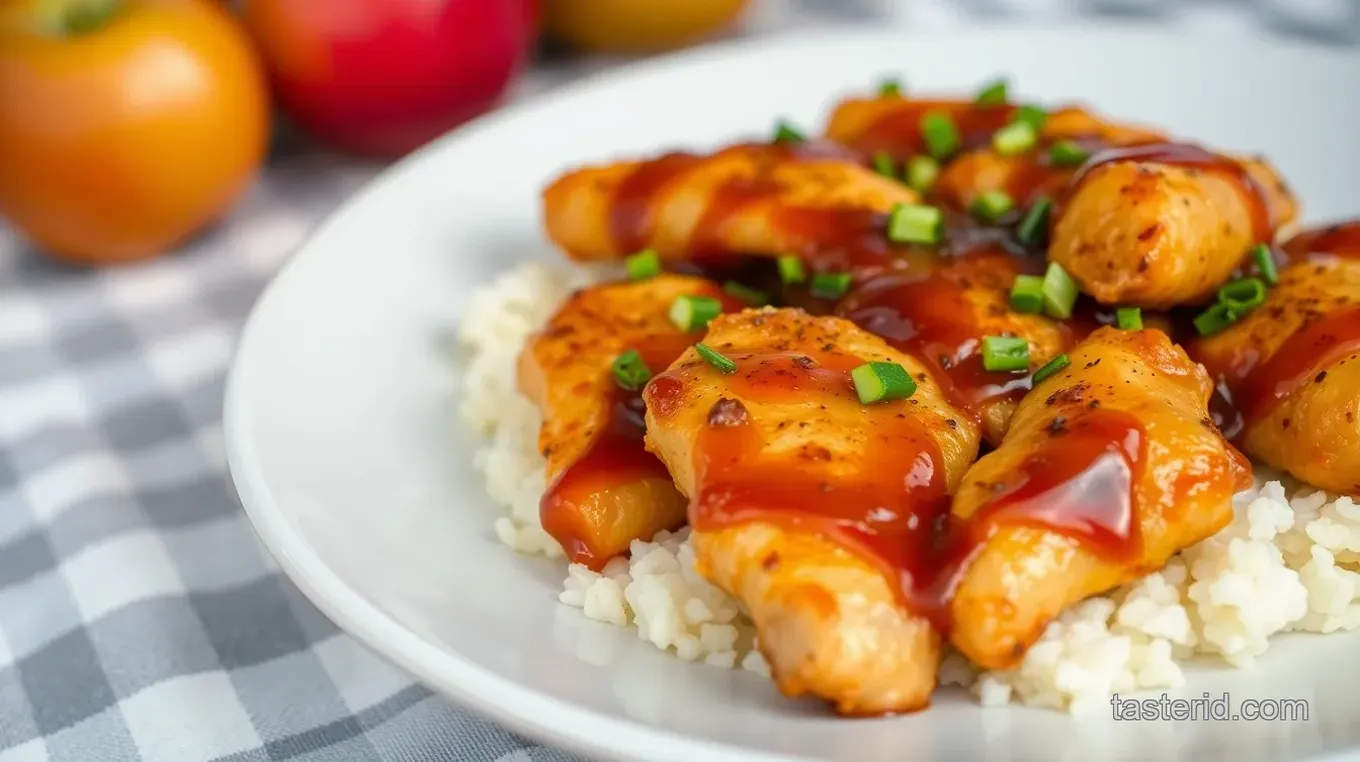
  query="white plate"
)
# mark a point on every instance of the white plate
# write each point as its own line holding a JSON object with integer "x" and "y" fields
{"x": 339, "y": 415}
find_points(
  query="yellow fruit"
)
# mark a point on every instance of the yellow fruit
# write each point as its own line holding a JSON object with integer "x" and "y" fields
{"x": 637, "y": 26}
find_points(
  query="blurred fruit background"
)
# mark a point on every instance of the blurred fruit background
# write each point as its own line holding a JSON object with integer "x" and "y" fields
{"x": 126, "y": 126}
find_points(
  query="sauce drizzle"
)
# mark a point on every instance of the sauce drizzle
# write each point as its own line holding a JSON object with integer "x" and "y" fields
{"x": 892, "y": 508}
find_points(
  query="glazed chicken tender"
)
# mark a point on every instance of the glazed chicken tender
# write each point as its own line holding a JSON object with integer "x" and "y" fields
{"x": 1292, "y": 365}
{"x": 809, "y": 505}
{"x": 893, "y": 125}
{"x": 1110, "y": 467}
{"x": 605, "y": 490}
{"x": 1165, "y": 224}
{"x": 747, "y": 199}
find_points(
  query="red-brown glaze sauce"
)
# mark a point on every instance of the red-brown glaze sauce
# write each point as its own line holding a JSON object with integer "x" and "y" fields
{"x": 631, "y": 216}
{"x": 893, "y": 509}
{"x": 1248, "y": 386}
{"x": 928, "y": 314}
{"x": 898, "y": 130}
{"x": 1339, "y": 240}
{"x": 1193, "y": 157}
{"x": 886, "y": 510}
{"x": 1079, "y": 483}
{"x": 615, "y": 457}
{"x": 1297, "y": 362}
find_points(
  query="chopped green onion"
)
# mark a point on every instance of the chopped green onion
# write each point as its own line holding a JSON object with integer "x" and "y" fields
{"x": 787, "y": 133}
{"x": 994, "y": 94}
{"x": 630, "y": 372}
{"x": 881, "y": 382}
{"x": 1027, "y": 294}
{"x": 1265, "y": 264}
{"x": 746, "y": 293}
{"x": 1015, "y": 138}
{"x": 1129, "y": 319}
{"x": 1060, "y": 292}
{"x": 1245, "y": 294}
{"x": 890, "y": 88}
{"x": 1050, "y": 367}
{"x": 940, "y": 135}
{"x": 791, "y": 270}
{"x": 1066, "y": 153}
{"x": 883, "y": 164}
{"x": 693, "y": 313}
{"x": 922, "y": 171}
{"x": 915, "y": 223}
{"x": 1004, "y": 353}
{"x": 1215, "y": 319}
{"x": 1031, "y": 115}
{"x": 829, "y": 285}
{"x": 715, "y": 358}
{"x": 643, "y": 265}
{"x": 1034, "y": 228}
{"x": 989, "y": 206}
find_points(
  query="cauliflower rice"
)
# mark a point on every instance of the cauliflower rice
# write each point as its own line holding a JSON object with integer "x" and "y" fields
{"x": 1288, "y": 562}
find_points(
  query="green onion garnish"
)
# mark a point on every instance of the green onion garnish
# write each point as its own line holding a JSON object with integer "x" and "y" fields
{"x": 1004, "y": 353}
{"x": 1060, "y": 292}
{"x": 715, "y": 358}
{"x": 1129, "y": 319}
{"x": 915, "y": 223}
{"x": 1066, "y": 153}
{"x": 922, "y": 171}
{"x": 1034, "y": 228}
{"x": 1244, "y": 294}
{"x": 630, "y": 372}
{"x": 693, "y": 313}
{"x": 829, "y": 285}
{"x": 1027, "y": 294}
{"x": 1015, "y": 138}
{"x": 1050, "y": 367}
{"x": 746, "y": 293}
{"x": 791, "y": 269}
{"x": 1265, "y": 264}
{"x": 940, "y": 135}
{"x": 643, "y": 265}
{"x": 881, "y": 382}
{"x": 993, "y": 94}
{"x": 1215, "y": 319}
{"x": 890, "y": 87}
{"x": 787, "y": 133}
{"x": 989, "y": 206}
{"x": 1031, "y": 115}
{"x": 883, "y": 164}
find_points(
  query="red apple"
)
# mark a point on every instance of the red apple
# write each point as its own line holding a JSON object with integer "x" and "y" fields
{"x": 381, "y": 77}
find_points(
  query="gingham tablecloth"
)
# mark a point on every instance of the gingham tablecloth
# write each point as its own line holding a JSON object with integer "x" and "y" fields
{"x": 139, "y": 618}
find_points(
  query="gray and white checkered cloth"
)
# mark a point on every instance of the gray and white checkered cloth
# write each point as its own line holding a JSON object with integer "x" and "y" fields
{"x": 139, "y": 619}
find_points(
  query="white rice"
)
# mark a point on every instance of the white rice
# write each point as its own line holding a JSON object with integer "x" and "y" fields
{"x": 1288, "y": 562}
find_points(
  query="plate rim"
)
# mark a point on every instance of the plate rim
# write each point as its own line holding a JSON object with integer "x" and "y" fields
{"x": 522, "y": 709}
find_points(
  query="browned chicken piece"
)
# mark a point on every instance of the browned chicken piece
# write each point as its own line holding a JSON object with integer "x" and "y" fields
{"x": 761, "y": 200}
{"x": 1292, "y": 366}
{"x": 892, "y": 124}
{"x": 941, "y": 316}
{"x": 1165, "y": 224}
{"x": 605, "y": 490}
{"x": 811, "y": 507}
{"x": 1110, "y": 467}
{"x": 1031, "y": 175}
